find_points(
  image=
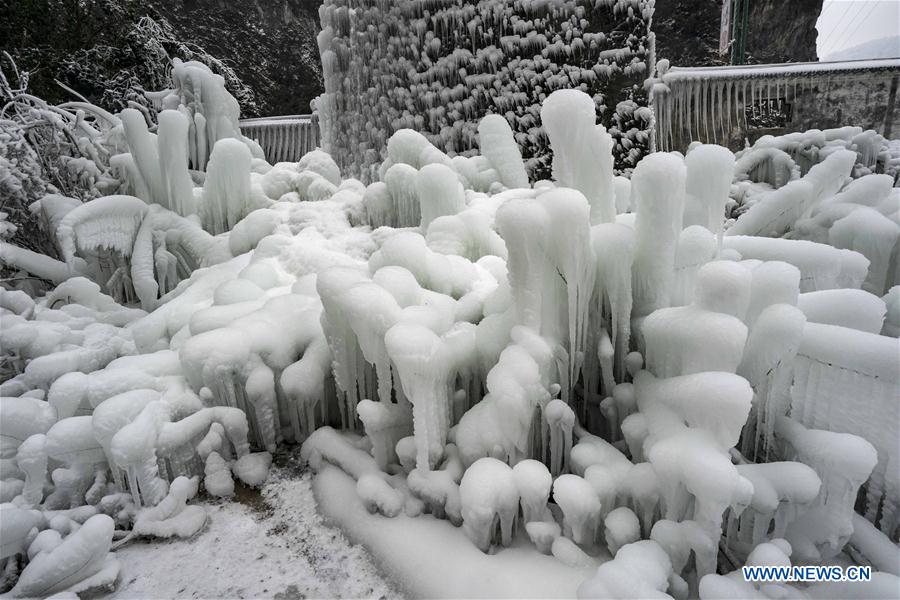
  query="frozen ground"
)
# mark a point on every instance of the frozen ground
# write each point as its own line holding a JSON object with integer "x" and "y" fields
{"x": 269, "y": 545}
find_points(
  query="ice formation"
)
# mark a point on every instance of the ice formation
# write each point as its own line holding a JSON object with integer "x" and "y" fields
{"x": 528, "y": 362}
{"x": 439, "y": 68}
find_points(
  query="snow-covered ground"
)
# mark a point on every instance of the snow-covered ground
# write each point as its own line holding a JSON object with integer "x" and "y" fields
{"x": 264, "y": 544}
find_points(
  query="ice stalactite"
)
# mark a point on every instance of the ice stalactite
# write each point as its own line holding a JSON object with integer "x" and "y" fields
{"x": 490, "y": 503}
{"x": 696, "y": 247}
{"x": 551, "y": 275}
{"x": 71, "y": 442}
{"x": 843, "y": 462}
{"x": 768, "y": 365}
{"x": 133, "y": 448}
{"x": 683, "y": 539}
{"x": 495, "y": 138}
{"x": 426, "y": 364}
{"x": 31, "y": 459}
{"x": 304, "y": 383}
{"x": 173, "y": 163}
{"x": 348, "y": 363}
{"x": 710, "y": 170}
{"x": 831, "y": 364}
{"x": 692, "y": 421}
{"x": 405, "y": 209}
{"x": 144, "y": 148}
{"x": 440, "y": 193}
{"x": 386, "y": 424}
{"x": 107, "y": 223}
{"x": 657, "y": 190}
{"x": 511, "y": 421}
{"x": 439, "y": 490}
{"x": 560, "y": 423}
{"x": 582, "y": 150}
{"x": 707, "y": 335}
{"x": 227, "y": 195}
{"x": 782, "y": 492}
{"x": 534, "y": 482}
{"x": 22, "y": 417}
{"x": 260, "y": 392}
{"x": 772, "y": 282}
{"x": 580, "y": 507}
{"x": 113, "y": 414}
{"x": 614, "y": 248}
{"x": 167, "y": 249}
{"x": 618, "y": 578}
{"x": 875, "y": 236}
{"x": 208, "y": 104}
{"x": 641, "y": 488}
{"x": 621, "y": 527}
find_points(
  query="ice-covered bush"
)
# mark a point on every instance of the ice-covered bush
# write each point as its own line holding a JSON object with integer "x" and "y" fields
{"x": 439, "y": 68}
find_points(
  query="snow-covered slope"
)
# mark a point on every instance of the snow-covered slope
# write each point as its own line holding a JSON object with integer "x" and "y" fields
{"x": 886, "y": 47}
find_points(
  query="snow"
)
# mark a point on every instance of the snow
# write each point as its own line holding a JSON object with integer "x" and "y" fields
{"x": 263, "y": 546}
{"x": 657, "y": 190}
{"x": 582, "y": 150}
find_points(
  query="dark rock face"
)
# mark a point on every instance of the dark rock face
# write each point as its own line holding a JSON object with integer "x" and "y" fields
{"x": 271, "y": 44}
{"x": 782, "y": 31}
{"x": 687, "y": 31}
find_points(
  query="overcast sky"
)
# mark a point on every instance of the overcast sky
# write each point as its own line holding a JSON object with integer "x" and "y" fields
{"x": 847, "y": 23}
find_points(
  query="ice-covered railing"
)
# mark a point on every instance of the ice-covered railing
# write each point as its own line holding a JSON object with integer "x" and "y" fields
{"x": 836, "y": 367}
{"x": 719, "y": 104}
{"x": 283, "y": 138}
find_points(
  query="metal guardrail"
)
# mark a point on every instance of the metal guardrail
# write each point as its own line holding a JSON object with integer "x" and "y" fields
{"x": 283, "y": 138}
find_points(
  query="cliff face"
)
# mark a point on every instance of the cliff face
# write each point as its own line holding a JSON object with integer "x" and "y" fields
{"x": 687, "y": 31}
{"x": 782, "y": 31}
{"x": 271, "y": 44}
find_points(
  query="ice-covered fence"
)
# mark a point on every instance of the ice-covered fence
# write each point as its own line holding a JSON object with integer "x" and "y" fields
{"x": 726, "y": 105}
{"x": 849, "y": 381}
{"x": 285, "y": 138}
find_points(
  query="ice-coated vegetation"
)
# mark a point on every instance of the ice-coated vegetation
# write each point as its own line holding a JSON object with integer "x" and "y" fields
{"x": 439, "y": 67}
{"x": 645, "y": 382}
